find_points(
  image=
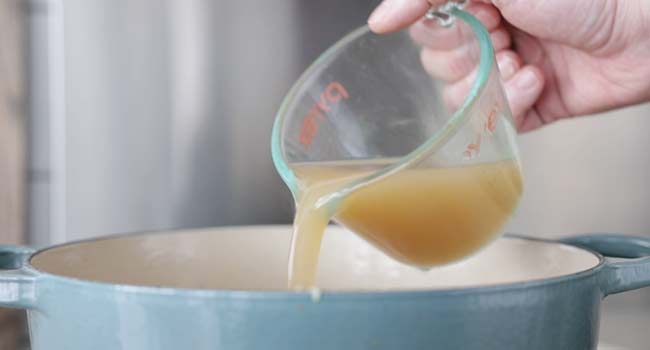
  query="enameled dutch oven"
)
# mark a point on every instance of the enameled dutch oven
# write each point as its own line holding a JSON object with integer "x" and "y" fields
{"x": 225, "y": 289}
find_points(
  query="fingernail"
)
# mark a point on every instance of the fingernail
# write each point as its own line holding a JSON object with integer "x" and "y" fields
{"x": 526, "y": 80}
{"x": 506, "y": 67}
{"x": 379, "y": 13}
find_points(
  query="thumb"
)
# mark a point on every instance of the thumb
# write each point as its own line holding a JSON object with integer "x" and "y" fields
{"x": 585, "y": 24}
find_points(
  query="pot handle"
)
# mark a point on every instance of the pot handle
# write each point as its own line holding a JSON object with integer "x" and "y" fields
{"x": 618, "y": 277}
{"x": 17, "y": 283}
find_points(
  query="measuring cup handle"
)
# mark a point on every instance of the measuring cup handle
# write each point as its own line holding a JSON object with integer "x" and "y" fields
{"x": 619, "y": 277}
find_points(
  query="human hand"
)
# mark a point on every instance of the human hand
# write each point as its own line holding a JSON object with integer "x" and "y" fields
{"x": 557, "y": 58}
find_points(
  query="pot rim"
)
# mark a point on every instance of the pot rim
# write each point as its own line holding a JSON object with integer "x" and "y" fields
{"x": 315, "y": 295}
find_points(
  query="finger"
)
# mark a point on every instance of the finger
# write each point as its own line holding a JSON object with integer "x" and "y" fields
{"x": 528, "y": 47}
{"x": 523, "y": 90}
{"x": 449, "y": 66}
{"x": 455, "y": 64}
{"x": 453, "y": 95}
{"x": 392, "y": 15}
{"x": 431, "y": 34}
{"x": 531, "y": 121}
{"x": 509, "y": 63}
{"x": 500, "y": 38}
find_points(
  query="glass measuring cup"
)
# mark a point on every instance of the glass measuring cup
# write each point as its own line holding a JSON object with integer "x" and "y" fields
{"x": 369, "y": 103}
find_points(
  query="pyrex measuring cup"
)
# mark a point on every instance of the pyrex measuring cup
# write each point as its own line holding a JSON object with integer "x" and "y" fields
{"x": 371, "y": 97}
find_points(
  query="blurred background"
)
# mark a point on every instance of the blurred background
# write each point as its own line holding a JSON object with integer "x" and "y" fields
{"x": 124, "y": 116}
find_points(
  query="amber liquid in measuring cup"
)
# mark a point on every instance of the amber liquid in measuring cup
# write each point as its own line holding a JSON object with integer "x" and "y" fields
{"x": 423, "y": 216}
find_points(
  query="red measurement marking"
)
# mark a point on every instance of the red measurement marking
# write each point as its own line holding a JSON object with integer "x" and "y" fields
{"x": 473, "y": 148}
{"x": 333, "y": 93}
{"x": 489, "y": 126}
{"x": 491, "y": 123}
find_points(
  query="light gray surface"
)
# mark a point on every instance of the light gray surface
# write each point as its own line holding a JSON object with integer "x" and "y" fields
{"x": 587, "y": 175}
{"x": 626, "y": 320}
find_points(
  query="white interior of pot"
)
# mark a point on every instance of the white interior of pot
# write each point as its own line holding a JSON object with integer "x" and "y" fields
{"x": 255, "y": 258}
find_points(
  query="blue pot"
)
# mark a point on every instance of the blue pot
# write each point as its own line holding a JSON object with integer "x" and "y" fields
{"x": 224, "y": 289}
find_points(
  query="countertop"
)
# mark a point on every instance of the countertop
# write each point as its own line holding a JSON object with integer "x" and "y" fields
{"x": 625, "y": 321}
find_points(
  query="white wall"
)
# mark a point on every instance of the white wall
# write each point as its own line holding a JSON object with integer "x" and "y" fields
{"x": 587, "y": 174}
